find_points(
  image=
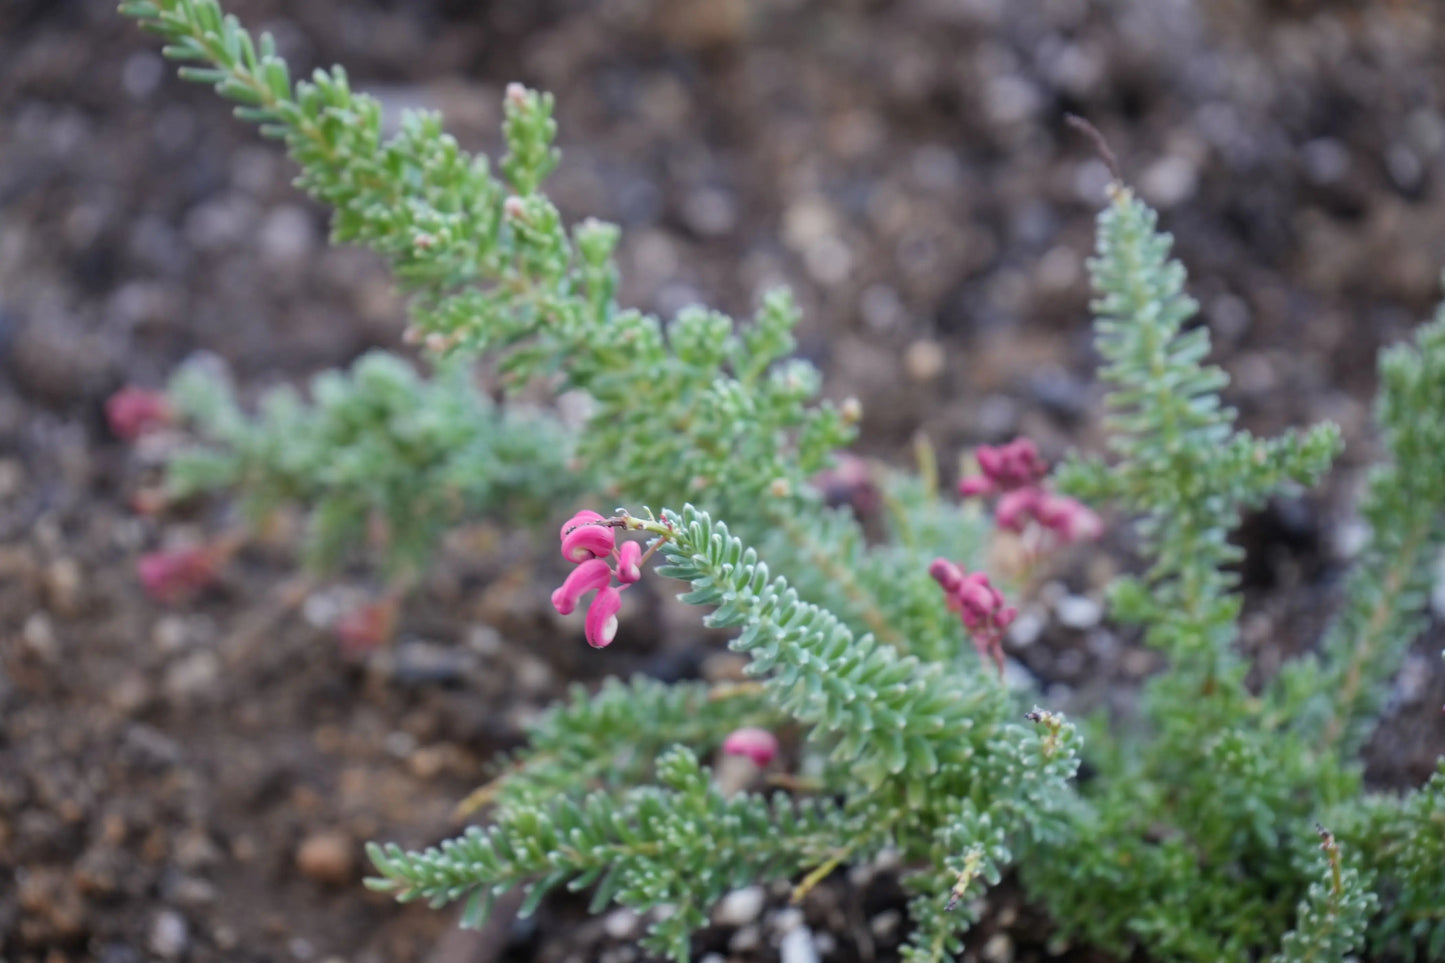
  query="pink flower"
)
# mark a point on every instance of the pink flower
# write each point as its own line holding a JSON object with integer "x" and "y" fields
{"x": 629, "y": 559}
{"x": 588, "y": 540}
{"x": 172, "y": 576}
{"x": 594, "y": 573}
{"x": 1005, "y": 468}
{"x": 945, "y": 573}
{"x": 602, "y": 617}
{"x": 1067, "y": 518}
{"x": 759, "y": 745}
{"x": 581, "y": 518}
{"x": 979, "y": 605}
{"x": 1015, "y": 508}
{"x": 131, "y": 412}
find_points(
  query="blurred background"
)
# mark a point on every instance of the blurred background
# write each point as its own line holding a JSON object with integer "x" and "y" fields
{"x": 193, "y": 784}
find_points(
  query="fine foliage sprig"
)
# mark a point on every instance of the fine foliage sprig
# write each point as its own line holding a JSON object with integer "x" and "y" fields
{"x": 378, "y": 449}
{"x": 692, "y": 409}
{"x": 1333, "y": 699}
{"x": 679, "y": 844}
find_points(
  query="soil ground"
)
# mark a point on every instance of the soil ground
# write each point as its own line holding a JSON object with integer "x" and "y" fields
{"x": 903, "y": 165}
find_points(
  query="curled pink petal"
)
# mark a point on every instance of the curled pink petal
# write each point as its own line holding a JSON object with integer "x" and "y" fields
{"x": 594, "y": 573}
{"x": 945, "y": 573}
{"x": 602, "y": 617}
{"x": 759, "y": 745}
{"x": 588, "y": 540}
{"x": 581, "y": 518}
{"x": 629, "y": 557}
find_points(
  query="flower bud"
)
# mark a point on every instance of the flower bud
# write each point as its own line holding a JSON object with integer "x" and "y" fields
{"x": 945, "y": 573}
{"x": 601, "y": 626}
{"x": 1015, "y": 508}
{"x": 131, "y": 412}
{"x": 591, "y": 574}
{"x": 759, "y": 745}
{"x": 628, "y": 558}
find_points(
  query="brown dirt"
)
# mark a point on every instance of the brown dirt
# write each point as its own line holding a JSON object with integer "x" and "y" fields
{"x": 194, "y": 783}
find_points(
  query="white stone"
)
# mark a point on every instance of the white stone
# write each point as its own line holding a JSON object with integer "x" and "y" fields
{"x": 739, "y": 907}
{"x": 1079, "y": 611}
{"x": 620, "y": 923}
{"x": 169, "y": 935}
{"x": 797, "y": 947}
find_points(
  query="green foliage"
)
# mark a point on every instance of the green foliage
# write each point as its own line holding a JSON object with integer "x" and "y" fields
{"x": 1192, "y": 838}
{"x": 1401, "y": 842}
{"x": 1336, "y": 697}
{"x": 379, "y": 448}
{"x": 927, "y": 762}
{"x": 1189, "y": 820}
{"x": 688, "y": 410}
{"x": 681, "y": 844}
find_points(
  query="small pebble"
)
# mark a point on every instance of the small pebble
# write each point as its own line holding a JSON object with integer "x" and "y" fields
{"x": 924, "y": 361}
{"x": 326, "y": 857}
{"x": 620, "y": 923}
{"x": 999, "y": 948}
{"x": 63, "y": 587}
{"x": 748, "y": 938}
{"x": 739, "y": 907}
{"x": 885, "y": 925}
{"x": 786, "y": 920}
{"x": 1169, "y": 181}
{"x": 1027, "y": 627}
{"x": 797, "y": 947}
{"x": 1079, "y": 612}
{"x": 169, "y": 935}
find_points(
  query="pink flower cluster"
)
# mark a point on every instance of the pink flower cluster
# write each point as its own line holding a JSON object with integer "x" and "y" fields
{"x": 131, "y": 412}
{"x": 175, "y": 575}
{"x": 590, "y": 543}
{"x": 1015, "y": 473}
{"x": 981, "y": 607}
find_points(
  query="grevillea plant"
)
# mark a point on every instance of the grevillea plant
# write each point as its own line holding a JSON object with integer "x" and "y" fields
{"x": 1224, "y": 823}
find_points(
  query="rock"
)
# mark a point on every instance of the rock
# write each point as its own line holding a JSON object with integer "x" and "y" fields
{"x": 924, "y": 360}
{"x": 621, "y": 923}
{"x": 1170, "y": 181}
{"x": 63, "y": 587}
{"x": 999, "y": 948}
{"x": 1079, "y": 611}
{"x": 885, "y": 926}
{"x": 748, "y": 938}
{"x": 327, "y": 857}
{"x": 169, "y": 935}
{"x": 739, "y": 907}
{"x": 797, "y": 946}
